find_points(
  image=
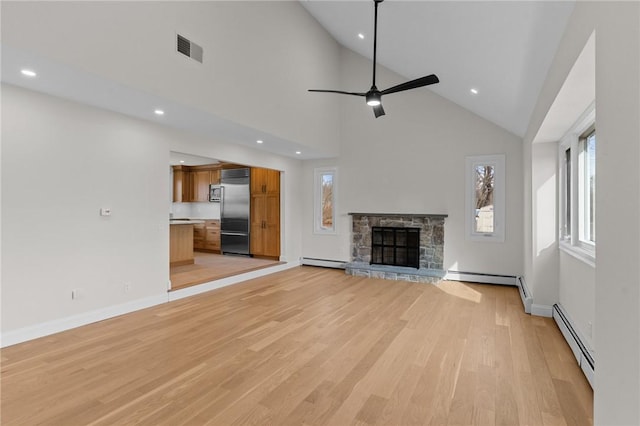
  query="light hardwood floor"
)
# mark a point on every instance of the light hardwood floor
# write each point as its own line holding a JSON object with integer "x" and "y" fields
{"x": 307, "y": 346}
{"x": 210, "y": 267}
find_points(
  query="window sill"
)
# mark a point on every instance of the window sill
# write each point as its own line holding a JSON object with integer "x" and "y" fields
{"x": 586, "y": 256}
{"x": 325, "y": 233}
{"x": 486, "y": 238}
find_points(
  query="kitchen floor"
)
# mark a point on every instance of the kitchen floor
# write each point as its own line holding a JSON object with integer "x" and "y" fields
{"x": 210, "y": 267}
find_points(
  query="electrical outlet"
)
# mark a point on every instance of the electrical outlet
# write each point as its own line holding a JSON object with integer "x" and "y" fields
{"x": 127, "y": 287}
{"x": 105, "y": 211}
{"x": 76, "y": 294}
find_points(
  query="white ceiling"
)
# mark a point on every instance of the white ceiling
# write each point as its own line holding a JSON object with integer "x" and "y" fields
{"x": 501, "y": 48}
{"x": 180, "y": 158}
{"x": 66, "y": 82}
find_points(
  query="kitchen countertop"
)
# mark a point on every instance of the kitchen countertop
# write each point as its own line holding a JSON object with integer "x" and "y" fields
{"x": 186, "y": 222}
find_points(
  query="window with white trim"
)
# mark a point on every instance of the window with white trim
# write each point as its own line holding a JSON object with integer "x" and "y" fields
{"x": 485, "y": 198}
{"x": 325, "y": 200}
{"x": 577, "y": 152}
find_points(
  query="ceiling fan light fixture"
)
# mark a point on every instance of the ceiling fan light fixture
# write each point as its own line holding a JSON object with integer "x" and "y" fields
{"x": 374, "y": 98}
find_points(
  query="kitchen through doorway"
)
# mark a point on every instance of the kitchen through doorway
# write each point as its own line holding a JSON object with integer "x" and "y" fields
{"x": 193, "y": 208}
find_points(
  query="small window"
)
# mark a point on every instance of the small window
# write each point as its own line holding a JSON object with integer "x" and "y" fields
{"x": 566, "y": 195}
{"x": 485, "y": 198}
{"x": 577, "y": 189}
{"x": 587, "y": 187}
{"x": 325, "y": 200}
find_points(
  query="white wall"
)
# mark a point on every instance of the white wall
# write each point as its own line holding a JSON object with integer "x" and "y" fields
{"x": 577, "y": 295}
{"x": 412, "y": 160}
{"x": 61, "y": 163}
{"x": 544, "y": 253}
{"x": 617, "y": 274}
{"x": 254, "y": 72}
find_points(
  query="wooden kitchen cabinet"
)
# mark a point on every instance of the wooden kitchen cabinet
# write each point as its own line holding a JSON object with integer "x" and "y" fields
{"x": 212, "y": 236}
{"x": 182, "y": 186}
{"x": 215, "y": 177}
{"x": 198, "y": 236}
{"x": 264, "y": 181}
{"x": 180, "y": 246}
{"x": 201, "y": 182}
{"x": 206, "y": 236}
{"x": 191, "y": 183}
{"x": 265, "y": 213}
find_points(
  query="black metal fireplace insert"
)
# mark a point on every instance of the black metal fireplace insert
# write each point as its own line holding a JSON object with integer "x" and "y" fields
{"x": 395, "y": 246}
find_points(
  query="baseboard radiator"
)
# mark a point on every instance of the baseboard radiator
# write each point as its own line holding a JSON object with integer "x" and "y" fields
{"x": 525, "y": 295}
{"x": 474, "y": 277}
{"x": 580, "y": 350}
{"x": 325, "y": 263}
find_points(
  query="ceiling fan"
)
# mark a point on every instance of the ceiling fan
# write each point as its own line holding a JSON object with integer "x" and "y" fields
{"x": 374, "y": 96}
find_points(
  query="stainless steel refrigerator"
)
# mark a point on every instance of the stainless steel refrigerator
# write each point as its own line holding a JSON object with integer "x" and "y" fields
{"x": 234, "y": 211}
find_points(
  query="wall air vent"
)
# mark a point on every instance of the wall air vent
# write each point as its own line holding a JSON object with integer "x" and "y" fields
{"x": 189, "y": 48}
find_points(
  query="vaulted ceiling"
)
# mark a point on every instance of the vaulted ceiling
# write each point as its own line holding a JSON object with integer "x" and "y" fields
{"x": 502, "y": 49}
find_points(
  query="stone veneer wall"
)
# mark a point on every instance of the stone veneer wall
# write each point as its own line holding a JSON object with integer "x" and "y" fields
{"x": 431, "y": 246}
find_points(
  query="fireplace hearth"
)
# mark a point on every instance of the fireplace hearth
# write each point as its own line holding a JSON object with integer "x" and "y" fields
{"x": 406, "y": 247}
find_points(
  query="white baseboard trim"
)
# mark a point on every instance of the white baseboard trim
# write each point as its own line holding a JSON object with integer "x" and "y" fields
{"x": 213, "y": 285}
{"x": 56, "y": 326}
{"x": 584, "y": 355}
{"x": 525, "y": 295}
{"x": 325, "y": 263}
{"x": 541, "y": 310}
{"x": 481, "y": 278}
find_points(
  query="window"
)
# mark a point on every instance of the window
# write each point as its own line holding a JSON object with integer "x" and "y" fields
{"x": 587, "y": 191}
{"x": 578, "y": 189}
{"x": 325, "y": 200}
{"x": 485, "y": 198}
{"x": 566, "y": 199}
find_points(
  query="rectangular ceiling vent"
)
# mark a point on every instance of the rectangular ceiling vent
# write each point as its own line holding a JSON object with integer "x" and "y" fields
{"x": 189, "y": 48}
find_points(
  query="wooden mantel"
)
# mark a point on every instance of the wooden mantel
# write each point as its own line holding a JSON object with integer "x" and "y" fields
{"x": 413, "y": 215}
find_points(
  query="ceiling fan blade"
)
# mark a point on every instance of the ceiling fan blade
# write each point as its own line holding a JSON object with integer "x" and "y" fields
{"x": 338, "y": 91}
{"x": 413, "y": 84}
{"x": 378, "y": 110}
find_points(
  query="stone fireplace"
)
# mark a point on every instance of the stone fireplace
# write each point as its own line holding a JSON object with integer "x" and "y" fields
{"x": 376, "y": 233}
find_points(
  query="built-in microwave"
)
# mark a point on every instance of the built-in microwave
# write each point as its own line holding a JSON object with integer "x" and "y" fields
{"x": 215, "y": 193}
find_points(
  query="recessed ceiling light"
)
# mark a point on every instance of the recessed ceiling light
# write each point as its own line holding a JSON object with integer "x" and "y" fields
{"x": 361, "y": 36}
{"x": 182, "y": 161}
{"x": 298, "y": 152}
{"x": 159, "y": 112}
{"x": 28, "y": 73}
{"x": 259, "y": 141}
{"x": 474, "y": 91}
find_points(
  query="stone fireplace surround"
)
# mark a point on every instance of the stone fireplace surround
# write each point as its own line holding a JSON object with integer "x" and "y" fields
{"x": 431, "y": 246}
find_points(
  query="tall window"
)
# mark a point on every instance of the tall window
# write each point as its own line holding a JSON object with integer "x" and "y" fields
{"x": 566, "y": 199}
{"x": 578, "y": 189}
{"x": 485, "y": 182}
{"x": 587, "y": 191}
{"x": 485, "y": 197}
{"x": 325, "y": 200}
